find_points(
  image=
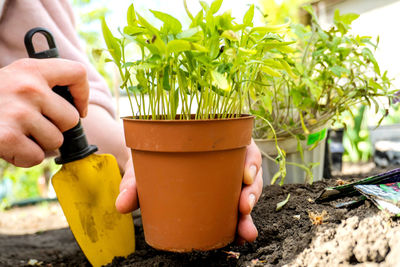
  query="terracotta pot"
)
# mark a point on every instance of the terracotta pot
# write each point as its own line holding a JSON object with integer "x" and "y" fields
{"x": 189, "y": 177}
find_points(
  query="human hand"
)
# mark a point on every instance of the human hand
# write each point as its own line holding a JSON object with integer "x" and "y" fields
{"x": 251, "y": 191}
{"x": 32, "y": 116}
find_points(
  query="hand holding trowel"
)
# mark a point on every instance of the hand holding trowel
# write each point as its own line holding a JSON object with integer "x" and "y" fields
{"x": 87, "y": 185}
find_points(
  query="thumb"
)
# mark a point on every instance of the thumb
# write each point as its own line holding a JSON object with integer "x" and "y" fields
{"x": 127, "y": 200}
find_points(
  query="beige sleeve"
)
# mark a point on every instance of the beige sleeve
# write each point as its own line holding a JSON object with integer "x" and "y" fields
{"x": 19, "y": 16}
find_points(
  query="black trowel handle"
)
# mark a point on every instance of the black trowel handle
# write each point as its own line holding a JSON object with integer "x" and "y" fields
{"x": 75, "y": 145}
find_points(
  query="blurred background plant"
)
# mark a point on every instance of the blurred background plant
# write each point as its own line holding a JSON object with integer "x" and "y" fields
{"x": 18, "y": 184}
{"x": 356, "y": 136}
{"x": 358, "y": 122}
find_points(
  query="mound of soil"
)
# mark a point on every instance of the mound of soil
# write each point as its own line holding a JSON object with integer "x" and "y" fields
{"x": 303, "y": 233}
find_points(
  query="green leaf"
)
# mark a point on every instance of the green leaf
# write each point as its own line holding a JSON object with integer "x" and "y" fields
{"x": 152, "y": 48}
{"x": 288, "y": 69}
{"x": 368, "y": 54}
{"x": 225, "y": 21}
{"x": 147, "y": 25}
{"x": 374, "y": 84}
{"x": 171, "y": 23}
{"x": 247, "y": 51}
{"x": 248, "y": 17}
{"x": 188, "y": 33}
{"x": 214, "y": 47}
{"x": 159, "y": 44}
{"x": 220, "y": 81}
{"x": 140, "y": 77}
{"x": 315, "y": 89}
{"x": 205, "y": 6}
{"x": 177, "y": 46}
{"x": 267, "y": 103}
{"x": 133, "y": 30}
{"x": 127, "y": 65}
{"x": 136, "y": 89}
{"x": 198, "y": 20}
{"x": 323, "y": 35}
{"x": 347, "y": 19}
{"x": 340, "y": 71}
{"x": 154, "y": 59}
{"x": 309, "y": 9}
{"x": 276, "y": 176}
{"x": 215, "y": 6}
{"x": 131, "y": 17}
{"x": 97, "y": 53}
{"x": 111, "y": 42}
{"x": 224, "y": 67}
{"x": 316, "y": 137}
{"x": 275, "y": 44}
{"x": 280, "y": 205}
{"x": 286, "y": 49}
{"x": 230, "y": 35}
{"x": 343, "y": 21}
{"x": 199, "y": 47}
{"x": 271, "y": 71}
{"x": 166, "y": 84}
{"x": 182, "y": 80}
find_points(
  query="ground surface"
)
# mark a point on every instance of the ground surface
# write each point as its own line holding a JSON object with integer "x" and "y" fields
{"x": 361, "y": 236}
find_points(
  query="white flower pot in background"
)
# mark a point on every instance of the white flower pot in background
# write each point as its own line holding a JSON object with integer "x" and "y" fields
{"x": 294, "y": 174}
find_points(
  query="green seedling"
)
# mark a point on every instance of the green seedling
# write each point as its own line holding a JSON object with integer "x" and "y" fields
{"x": 208, "y": 67}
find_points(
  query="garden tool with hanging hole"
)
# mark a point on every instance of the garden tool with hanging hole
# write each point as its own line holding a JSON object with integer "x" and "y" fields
{"x": 87, "y": 185}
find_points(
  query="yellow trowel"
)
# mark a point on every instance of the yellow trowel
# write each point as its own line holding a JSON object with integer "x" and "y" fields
{"x": 87, "y": 186}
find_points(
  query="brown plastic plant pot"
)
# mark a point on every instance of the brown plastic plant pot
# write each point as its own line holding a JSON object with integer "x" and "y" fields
{"x": 189, "y": 178}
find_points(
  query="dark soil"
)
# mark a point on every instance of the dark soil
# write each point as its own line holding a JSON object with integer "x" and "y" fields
{"x": 49, "y": 248}
{"x": 283, "y": 236}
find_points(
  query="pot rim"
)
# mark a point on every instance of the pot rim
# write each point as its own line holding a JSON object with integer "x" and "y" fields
{"x": 188, "y": 135}
{"x": 136, "y": 119}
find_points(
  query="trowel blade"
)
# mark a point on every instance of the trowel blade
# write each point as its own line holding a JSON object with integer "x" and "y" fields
{"x": 87, "y": 190}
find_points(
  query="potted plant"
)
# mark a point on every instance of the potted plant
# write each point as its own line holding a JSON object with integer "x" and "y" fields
{"x": 188, "y": 133}
{"x": 331, "y": 72}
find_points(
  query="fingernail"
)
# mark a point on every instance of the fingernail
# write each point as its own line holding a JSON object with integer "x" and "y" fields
{"x": 121, "y": 194}
{"x": 252, "y": 172}
{"x": 252, "y": 201}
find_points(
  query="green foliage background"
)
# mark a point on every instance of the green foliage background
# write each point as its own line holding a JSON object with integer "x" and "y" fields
{"x": 356, "y": 139}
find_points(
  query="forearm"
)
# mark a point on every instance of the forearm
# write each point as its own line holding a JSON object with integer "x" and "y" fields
{"x": 106, "y": 133}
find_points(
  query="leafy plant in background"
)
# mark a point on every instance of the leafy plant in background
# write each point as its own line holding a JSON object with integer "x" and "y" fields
{"x": 209, "y": 66}
{"x": 356, "y": 136}
{"x": 330, "y": 72}
{"x": 333, "y": 72}
{"x": 24, "y": 181}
